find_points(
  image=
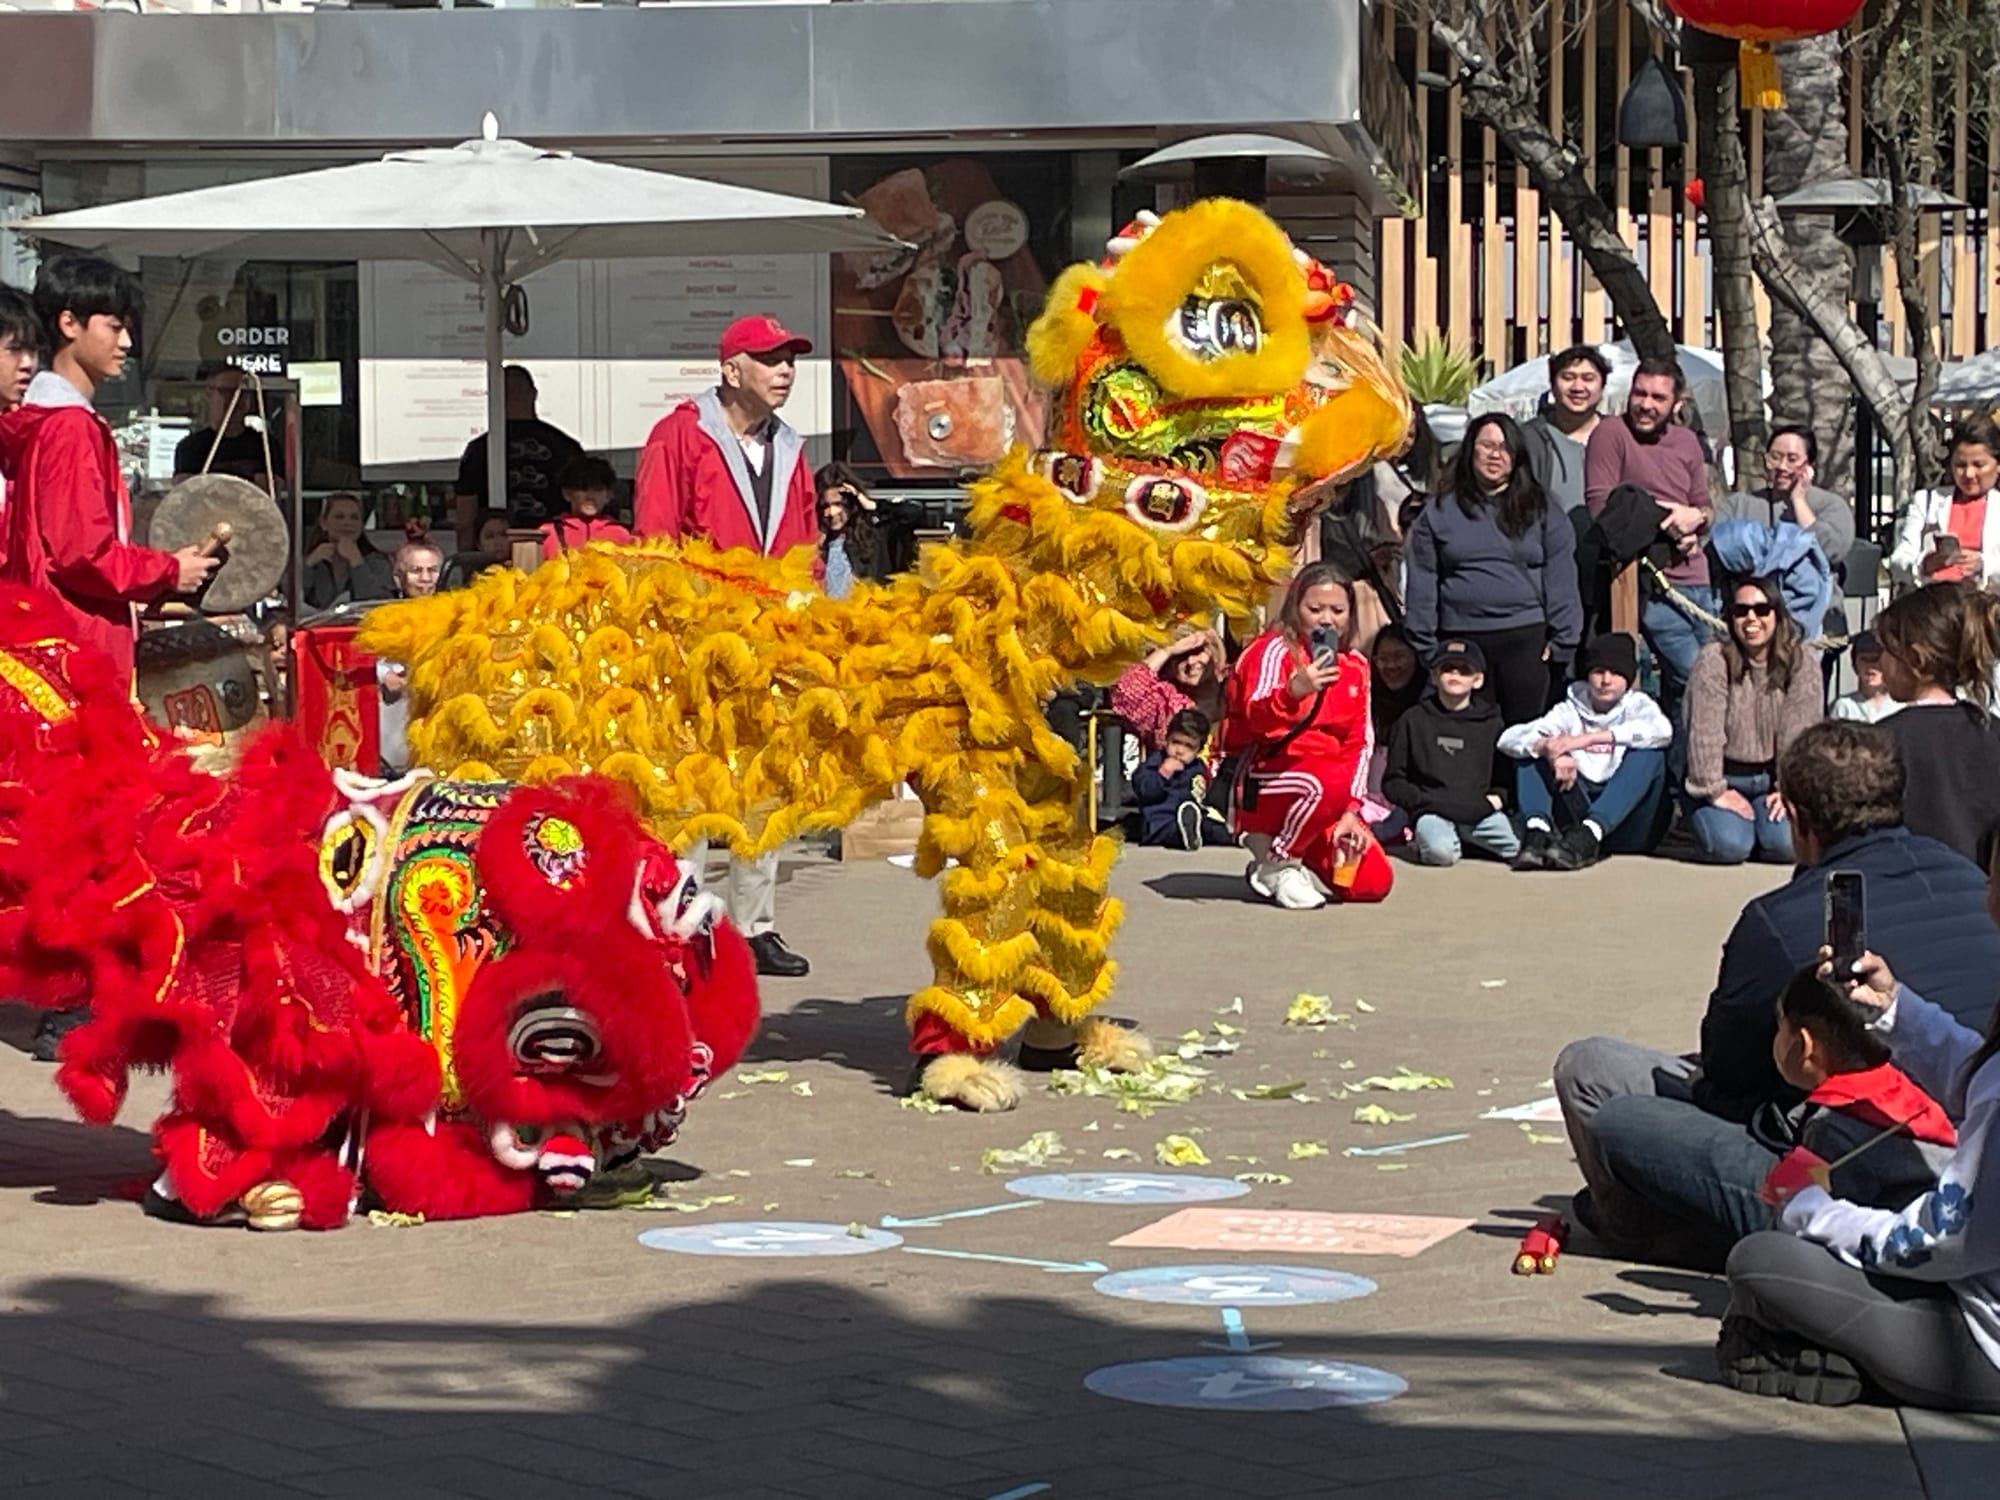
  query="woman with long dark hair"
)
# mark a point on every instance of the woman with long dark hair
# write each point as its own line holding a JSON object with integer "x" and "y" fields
{"x": 1491, "y": 561}
{"x": 1749, "y": 696}
{"x": 342, "y": 565}
{"x": 1299, "y": 721}
{"x": 1939, "y": 647}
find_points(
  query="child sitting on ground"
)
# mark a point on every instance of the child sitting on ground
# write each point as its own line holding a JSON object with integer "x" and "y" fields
{"x": 588, "y": 485}
{"x": 1853, "y": 1094}
{"x": 1593, "y": 768}
{"x": 1171, "y": 788}
{"x": 1440, "y": 769}
{"x": 1870, "y": 702}
{"x": 1396, "y": 683}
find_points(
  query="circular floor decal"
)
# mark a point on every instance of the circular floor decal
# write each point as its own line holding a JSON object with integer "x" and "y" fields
{"x": 768, "y": 1238}
{"x": 1235, "y": 1286}
{"x": 1245, "y": 1382}
{"x": 1126, "y": 1187}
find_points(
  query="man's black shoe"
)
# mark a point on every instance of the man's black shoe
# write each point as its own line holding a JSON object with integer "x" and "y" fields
{"x": 1765, "y": 1362}
{"x": 54, "y": 1026}
{"x": 775, "y": 960}
{"x": 1535, "y": 848}
{"x": 156, "y": 1205}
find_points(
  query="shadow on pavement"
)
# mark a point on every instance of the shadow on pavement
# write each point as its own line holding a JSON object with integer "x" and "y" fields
{"x": 71, "y": 1163}
{"x": 1203, "y": 885}
{"x": 863, "y": 1036}
{"x": 826, "y": 1389}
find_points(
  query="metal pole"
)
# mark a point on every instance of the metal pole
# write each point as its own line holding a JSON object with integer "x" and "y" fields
{"x": 295, "y": 470}
{"x": 491, "y": 294}
{"x": 1868, "y": 314}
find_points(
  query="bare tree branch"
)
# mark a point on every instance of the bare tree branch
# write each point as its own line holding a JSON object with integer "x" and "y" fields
{"x": 1726, "y": 188}
{"x": 1505, "y": 104}
{"x": 1828, "y": 316}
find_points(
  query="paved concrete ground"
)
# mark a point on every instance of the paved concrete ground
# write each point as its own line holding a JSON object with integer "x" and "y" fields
{"x": 552, "y": 1356}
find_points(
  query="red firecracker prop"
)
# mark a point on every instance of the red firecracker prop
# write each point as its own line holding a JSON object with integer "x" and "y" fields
{"x": 1756, "y": 24}
{"x": 1541, "y": 1247}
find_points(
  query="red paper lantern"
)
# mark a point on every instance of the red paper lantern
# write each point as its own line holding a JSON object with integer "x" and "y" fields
{"x": 1756, "y": 24}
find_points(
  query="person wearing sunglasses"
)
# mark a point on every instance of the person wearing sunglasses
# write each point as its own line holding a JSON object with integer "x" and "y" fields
{"x": 1749, "y": 696}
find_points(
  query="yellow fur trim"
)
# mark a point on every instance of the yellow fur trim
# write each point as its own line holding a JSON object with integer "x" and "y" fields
{"x": 1157, "y": 275}
{"x": 984, "y": 1027}
{"x": 743, "y": 706}
{"x": 1057, "y": 339}
{"x": 1102, "y": 1044}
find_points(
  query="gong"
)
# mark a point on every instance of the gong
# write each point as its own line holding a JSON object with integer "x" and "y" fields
{"x": 259, "y": 547}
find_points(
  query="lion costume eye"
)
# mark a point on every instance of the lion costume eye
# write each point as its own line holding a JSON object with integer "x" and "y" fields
{"x": 1215, "y": 327}
{"x": 550, "y": 1036}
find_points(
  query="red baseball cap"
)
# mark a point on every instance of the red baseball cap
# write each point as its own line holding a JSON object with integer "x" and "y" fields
{"x": 761, "y": 334}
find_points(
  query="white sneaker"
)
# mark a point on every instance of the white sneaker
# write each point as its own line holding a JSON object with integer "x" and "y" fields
{"x": 1258, "y": 873}
{"x": 1294, "y": 889}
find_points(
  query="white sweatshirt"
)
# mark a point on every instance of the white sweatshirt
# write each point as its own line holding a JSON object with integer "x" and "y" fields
{"x": 1635, "y": 722}
{"x": 1937, "y": 1238}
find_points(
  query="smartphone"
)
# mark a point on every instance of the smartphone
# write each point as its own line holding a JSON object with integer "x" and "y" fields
{"x": 1846, "y": 919}
{"x": 1946, "y": 545}
{"x": 1325, "y": 647}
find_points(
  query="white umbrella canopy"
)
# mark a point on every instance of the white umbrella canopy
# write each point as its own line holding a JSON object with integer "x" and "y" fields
{"x": 491, "y": 210}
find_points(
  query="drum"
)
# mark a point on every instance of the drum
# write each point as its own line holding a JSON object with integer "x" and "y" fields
{"x": 259, "y": 548}
{"x": 204, "y": 679}
{"x": 338, "y": 709}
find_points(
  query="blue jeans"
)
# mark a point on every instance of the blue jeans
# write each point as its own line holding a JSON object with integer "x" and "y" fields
{"x": 1676, "y": 640}
{"x": 1439, "y": 839}
{"x": 1725, "y": 839}
{"x": 1626, "y": 807}
{"x": 1695, "y": 1174}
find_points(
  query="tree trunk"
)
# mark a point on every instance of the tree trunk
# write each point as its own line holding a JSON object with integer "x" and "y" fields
{"x": 1726, "y": 194}
{"x": 1506, "y": 105}
{"x": 1805, "y": 143}
{"x": 1866, "y": 370}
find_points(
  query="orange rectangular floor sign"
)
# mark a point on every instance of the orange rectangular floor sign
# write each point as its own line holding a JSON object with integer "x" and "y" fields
{"x": 1299, "y": 1233}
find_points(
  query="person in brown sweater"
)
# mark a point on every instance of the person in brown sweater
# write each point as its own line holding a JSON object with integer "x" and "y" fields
{"x": 1749, "y": 696}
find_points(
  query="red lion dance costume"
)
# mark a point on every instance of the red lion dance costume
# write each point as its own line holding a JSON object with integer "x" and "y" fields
{"x": 464, "y": 997}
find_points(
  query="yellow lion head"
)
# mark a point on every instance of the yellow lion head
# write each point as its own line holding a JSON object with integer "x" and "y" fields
{"x": 1207, "y": 374}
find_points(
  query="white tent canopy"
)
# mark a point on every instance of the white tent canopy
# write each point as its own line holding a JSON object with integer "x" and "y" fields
{"x": 492, "y": 211}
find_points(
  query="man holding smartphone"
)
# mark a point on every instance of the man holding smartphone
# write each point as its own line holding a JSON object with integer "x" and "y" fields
{"x": 1637, "y": 1115}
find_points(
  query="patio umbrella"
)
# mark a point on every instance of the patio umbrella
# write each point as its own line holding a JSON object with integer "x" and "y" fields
{"x": 492, "y": 211}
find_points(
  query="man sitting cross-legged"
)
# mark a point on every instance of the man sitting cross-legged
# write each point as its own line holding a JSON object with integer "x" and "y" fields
{"x": 1637, "y": 1116}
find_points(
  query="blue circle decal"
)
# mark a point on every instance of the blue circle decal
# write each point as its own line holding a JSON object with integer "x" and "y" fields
{"x": 1126, "y": 1187}
{"x": 1246, "y": 1382}
{"x": 1235, "y": 1286}
{"x": 768, "y": 1239}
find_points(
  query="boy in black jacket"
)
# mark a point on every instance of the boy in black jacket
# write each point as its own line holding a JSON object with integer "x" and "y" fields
{"x": 1172, "y": 789}
{"x": 1440, "y": 767}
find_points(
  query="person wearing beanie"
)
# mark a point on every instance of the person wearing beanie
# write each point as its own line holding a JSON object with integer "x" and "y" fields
{"x": 1440, "y": 767}
{"x": 1593, "y": 769}
{"x": 1870, "y": 702}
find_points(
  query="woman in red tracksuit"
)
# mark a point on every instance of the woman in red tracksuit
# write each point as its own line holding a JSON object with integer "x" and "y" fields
{"x": 1298, "y": 717}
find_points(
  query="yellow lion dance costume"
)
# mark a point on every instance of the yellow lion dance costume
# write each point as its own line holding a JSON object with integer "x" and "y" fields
{"x": 1210, "y": 385}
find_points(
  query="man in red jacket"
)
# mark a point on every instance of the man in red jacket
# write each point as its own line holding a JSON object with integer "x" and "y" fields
{"x": 726, "y": 467}
{"x": 69, "y": 520}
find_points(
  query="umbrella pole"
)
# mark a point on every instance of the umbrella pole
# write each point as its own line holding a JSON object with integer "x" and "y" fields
{"x": 490, "y": 295}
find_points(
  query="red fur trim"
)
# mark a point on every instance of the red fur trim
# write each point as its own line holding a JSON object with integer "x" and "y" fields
{"x": 209, "y": 1172}
{"x": 621, "y": 981}
{"x": 725, "y": 1008}
{"x": 326, "y": 1187}
{"x": 449, "y": 1175}
{"x": 520, "y": 894}
{"x": 401, "y": 1075}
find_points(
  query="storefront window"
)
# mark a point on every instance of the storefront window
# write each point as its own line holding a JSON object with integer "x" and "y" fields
{"x": 931, "y": 376}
